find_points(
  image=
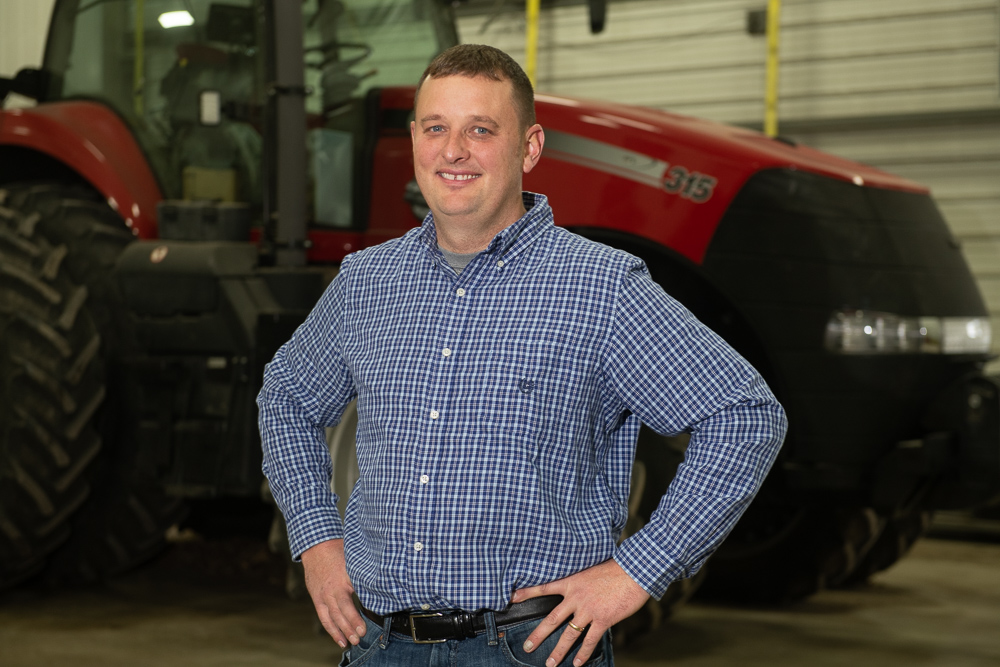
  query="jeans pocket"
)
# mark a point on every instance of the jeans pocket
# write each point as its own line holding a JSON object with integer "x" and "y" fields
{"x": 365, "y": 649}
{"x": 512, "y": 640}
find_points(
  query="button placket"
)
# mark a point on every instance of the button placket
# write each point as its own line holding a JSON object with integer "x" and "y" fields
{"x": 451, "y": 323}
{"x": 451, "y": 315}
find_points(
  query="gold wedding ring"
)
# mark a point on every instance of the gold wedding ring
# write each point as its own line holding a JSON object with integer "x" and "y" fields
{"x": 576, "y": 627}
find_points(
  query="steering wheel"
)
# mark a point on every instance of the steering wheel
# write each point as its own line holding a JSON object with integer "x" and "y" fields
{"x": 335, "y": 46}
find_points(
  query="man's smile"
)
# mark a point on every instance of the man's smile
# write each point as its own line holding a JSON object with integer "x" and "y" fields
{"x": 457, "y": 177}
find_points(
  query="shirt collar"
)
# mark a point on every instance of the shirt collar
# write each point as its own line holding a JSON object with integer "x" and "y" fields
{"x": 514, "y": 238}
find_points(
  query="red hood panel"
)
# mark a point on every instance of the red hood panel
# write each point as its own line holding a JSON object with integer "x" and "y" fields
{"x": 661, "y": 176}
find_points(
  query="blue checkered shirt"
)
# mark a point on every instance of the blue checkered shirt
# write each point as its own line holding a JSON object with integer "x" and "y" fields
{"x": 497, "y": 417}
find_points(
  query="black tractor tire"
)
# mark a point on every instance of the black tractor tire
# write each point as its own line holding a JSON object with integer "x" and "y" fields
{"x": 69, "y": 503}
{"x": 657, "y": 458}
{"x": 782, "y": 552}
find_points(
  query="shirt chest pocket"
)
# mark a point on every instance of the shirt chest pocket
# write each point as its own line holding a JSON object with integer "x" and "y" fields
{"x": 518, "y": 376}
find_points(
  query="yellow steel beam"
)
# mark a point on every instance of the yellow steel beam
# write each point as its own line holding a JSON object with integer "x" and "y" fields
{"x": 531, "y": 39}
{"x": 771, "y": 86}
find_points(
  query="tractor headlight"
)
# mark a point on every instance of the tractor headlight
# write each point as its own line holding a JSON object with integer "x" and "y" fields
{"x": 874, "y": 332}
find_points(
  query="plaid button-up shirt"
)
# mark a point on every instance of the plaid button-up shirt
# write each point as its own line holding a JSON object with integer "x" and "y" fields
{"x": 497, "y": 417}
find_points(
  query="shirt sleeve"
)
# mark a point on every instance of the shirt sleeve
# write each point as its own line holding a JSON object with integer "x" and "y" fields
{"x": 676, "y": 375}
{"x": 306, "y": 388}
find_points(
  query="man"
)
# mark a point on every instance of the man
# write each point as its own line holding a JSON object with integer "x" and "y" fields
{"x": 501, "y": 367}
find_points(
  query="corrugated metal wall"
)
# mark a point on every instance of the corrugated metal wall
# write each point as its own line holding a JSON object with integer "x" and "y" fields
{"x": 23, "y": 25}
{"x": 911, "y": 86}
{"x": 839, "y": 57}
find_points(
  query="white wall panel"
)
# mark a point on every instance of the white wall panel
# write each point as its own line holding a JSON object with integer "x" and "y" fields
{"x": 838, "y": 57}
{"x": 647, "y": 50}
{"x": 982, "y": 256}
{"x": 990, "y": 287}
{"x": 908, "y": 144}
{"x": 833, "y": 11}
{"x": 23, "y": 26}
{"x": 972, "y": 216}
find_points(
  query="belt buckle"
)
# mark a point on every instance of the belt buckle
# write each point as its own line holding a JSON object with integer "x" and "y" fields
{"x": 413, "y": 630}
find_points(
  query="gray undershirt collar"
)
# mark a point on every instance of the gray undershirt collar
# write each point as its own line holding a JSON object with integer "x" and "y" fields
{"x": 457, "y": 260}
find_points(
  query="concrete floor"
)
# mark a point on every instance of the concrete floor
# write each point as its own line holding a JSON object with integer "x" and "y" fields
{"x": 221, "y": 603}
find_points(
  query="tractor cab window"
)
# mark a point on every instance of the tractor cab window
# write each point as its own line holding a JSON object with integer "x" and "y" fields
{"x": 150, "y": 60}
{"x": 352, "y": 48}
{"x": 356, "y": 45}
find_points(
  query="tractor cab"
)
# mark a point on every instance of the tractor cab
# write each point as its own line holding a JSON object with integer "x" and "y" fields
{"x": 195, "y": 82}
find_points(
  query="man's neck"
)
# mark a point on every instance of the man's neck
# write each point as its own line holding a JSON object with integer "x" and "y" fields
{"x": 462, "y": 244}
{"x": 463, "y": 237}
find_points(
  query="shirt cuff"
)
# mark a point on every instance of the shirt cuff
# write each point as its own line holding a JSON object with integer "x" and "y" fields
{"x": 644, "y": 561}
{"x": 310, "y": 527}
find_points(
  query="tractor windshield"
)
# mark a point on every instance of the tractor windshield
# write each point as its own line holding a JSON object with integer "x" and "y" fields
{"x": 151, "y": 60}
{"x": 357, "y": 45}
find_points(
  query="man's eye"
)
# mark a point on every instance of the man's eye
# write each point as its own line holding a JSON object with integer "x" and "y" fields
{"x": 480, "y": 130}
{"x": 435, "y": 128}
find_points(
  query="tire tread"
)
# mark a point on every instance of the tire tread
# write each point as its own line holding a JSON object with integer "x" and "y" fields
{"x": 78, "y": 511}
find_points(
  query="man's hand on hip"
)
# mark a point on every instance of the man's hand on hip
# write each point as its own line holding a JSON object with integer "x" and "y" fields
{"x": 330, "y": 589}
{"x": 593, "y": 600}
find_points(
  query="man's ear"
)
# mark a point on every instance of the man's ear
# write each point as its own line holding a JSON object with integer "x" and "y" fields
{"x": 413, "y": 131}
{"x": 533, "y": 141}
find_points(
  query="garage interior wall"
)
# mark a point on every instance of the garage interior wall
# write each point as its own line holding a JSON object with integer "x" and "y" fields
{"x": 910, "y": 86}
{"x": 23, "y": 26}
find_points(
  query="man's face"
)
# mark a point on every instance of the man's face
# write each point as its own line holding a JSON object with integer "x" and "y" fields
{"x": 469, "y": 151}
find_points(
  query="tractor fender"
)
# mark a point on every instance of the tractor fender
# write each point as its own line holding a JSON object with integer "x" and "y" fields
{"x": 96, "y": 143}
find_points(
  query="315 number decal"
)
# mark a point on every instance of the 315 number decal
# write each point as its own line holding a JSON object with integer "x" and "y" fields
{"x": 689, "y": 184}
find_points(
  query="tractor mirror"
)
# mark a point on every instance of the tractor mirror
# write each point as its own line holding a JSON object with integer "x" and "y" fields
{"x": 598, "y": 14}
{"x": 28, "y": 82}
{"x": 210, "y": 107}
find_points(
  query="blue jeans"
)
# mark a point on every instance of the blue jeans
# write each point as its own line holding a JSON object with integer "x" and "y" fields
{"x": 497, "y": 647}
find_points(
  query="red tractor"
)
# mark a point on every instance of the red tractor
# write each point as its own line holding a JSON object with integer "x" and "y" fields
{"x": 194, "y": 171}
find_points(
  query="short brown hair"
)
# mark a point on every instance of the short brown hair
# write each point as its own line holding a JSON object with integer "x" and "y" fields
{"x": 481, "y": 60}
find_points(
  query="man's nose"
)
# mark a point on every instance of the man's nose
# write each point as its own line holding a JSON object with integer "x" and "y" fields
{"x": 457, "y": 147}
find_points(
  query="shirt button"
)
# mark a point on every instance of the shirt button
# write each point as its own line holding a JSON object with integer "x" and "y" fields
{"x": 425, "y": 606}
{"x": 500, "y": 264}
{"x": 446, "y": 352}
{"x": 417, "y": 546}
{"x": 460, "y": 292}
{"x": 435, "y": 414}
{"x": 424, "y": 479}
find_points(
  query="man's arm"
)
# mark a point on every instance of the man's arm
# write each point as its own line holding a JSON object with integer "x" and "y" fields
{"x": 331, "y": 589}
{"x": 676, "y": 376}
{"x": 306, "y": 387}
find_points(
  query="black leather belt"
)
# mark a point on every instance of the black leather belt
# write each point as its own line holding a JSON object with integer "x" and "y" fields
{"x": 432, "y": 627}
